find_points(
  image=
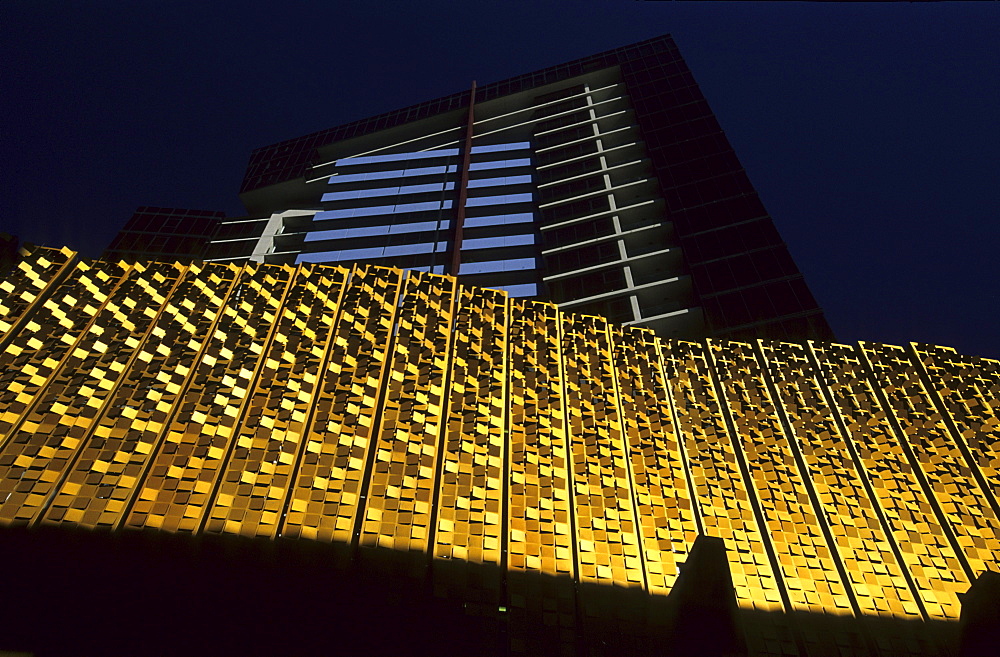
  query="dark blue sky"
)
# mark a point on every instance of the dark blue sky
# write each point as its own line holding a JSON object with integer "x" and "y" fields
{"x": 871, "y": 131}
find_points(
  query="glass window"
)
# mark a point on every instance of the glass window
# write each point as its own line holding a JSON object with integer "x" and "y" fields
{"x": 419, "y": 226}
{"x": 429, "y": 187}
{"x": 396, "y": 157}
{"x": 498, "y": 200}
{"x": 383, "y": 209}
{"x": 499, "y": 220}
{"x": 409, "y": 249}
{"x": 347, "y": 233}
{"x": 497, "y": 148}
{"x": 430, "y": 171}
{"x": 339, "y": 178}
{"x": 366, "y": 193}
{"x": 319, "y": 256}
{"x": 417, "y": 207}
{"x": 499, "y": 164}
{"x": 515, "y": 264}
{"x": 386, "y": 191}
{"x": 520, "y": 290}
{"x": 493, "y": 182}
{"x": 362, "y": 254}
{"x": 497, "y": 242}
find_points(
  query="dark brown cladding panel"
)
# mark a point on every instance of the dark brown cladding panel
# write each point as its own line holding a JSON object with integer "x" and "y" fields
{"x": 747, "y": 282}
{"x": 165, "y": 233}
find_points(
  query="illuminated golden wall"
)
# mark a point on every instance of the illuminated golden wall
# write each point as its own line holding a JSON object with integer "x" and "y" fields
{"x": 394, "y": 409}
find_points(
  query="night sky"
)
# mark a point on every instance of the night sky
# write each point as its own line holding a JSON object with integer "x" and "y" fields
{"x": 871, "y": 131}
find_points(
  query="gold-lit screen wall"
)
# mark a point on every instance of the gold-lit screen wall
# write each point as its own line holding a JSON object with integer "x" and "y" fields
{"x": 400, "y": 410}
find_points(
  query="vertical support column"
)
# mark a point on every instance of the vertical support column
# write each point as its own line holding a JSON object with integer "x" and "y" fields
{"x": 612, "y": 202}
{"x": 463, "y": 186}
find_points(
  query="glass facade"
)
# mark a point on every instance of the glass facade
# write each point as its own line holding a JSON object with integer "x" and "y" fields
{"x": 412, "y": 224}
{"x": 609, "y": 174}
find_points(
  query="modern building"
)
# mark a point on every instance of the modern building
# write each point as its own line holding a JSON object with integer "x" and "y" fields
{"x": 605, "y": 185}
{"x": 205, "y": 459}
{"x": 525, "y": 370}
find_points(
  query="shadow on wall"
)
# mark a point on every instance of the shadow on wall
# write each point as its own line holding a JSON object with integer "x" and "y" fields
{"x": 75, "y": 593}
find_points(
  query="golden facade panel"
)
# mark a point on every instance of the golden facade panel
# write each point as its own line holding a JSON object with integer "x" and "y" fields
{"x": 30, "y": 357}
{"x": 119, "y": 445}
{"x": 48, "y": 368}
{"x": 183, "y": 471}
{"x": 27, "y": 282}
{"x": 103, "y": 355}
{"x": 530, "y": 457}
{"x": 398, "y": 513}
{"x": 470, "y": 493}
{"x": 722, "y": 495}
{"x": 662, "y": 497}
{"x": 326, "y": 496}
{"x": 253, "y": 488}
{"x": 969, "y": 389}
{"x": 541, "y": 537}
{"x": 607, "y": 541}
{"x": 875, "y": 577}
{"x": 808, "y": 572}
{"x": 946, "y": 470}
{"x": 929, "y": 557}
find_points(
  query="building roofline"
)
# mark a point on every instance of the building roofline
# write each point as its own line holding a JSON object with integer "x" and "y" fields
{"x": 286, "y": 160}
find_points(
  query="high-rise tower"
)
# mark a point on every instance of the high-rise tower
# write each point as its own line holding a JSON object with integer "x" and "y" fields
{"x": 604, "y": 185}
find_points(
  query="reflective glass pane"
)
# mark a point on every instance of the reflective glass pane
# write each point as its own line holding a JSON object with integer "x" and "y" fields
{"x": 515, "y": 264}
{"x": 493, "y": 182}
{"x": 499, "y": 219}
{"x": 520, "y": 290}
{"x": 347, "y": 233}
{"x": 496, "y": 148}
{"x": 498, "y": 200}
{"x": 396, "y": 157}
{"x": 418, "y": 227}
{"x": 499, "y": 164}
{"x": 497, "y": 242}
